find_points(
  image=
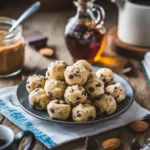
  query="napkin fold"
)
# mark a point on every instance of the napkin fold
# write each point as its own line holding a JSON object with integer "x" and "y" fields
{"x": 52, "y": 134}
{"x": 146, "y": 66}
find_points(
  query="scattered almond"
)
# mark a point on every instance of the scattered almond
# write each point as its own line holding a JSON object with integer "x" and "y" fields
{"x": 111, "y": 144}
{"x": 46, "y": 52}
{"x": 138, "y": 126}
{"x": 23, "y": 77}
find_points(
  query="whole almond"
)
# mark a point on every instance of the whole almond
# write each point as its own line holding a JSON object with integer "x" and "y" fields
{"x": 46, "y": 52}
{"x": 138, "y": 126}
{"x": 111, "y": 144}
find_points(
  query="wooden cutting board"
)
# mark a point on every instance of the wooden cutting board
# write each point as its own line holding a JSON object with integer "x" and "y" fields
{"x": 124, "y": 49}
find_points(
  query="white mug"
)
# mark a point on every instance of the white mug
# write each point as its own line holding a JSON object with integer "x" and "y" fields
{"x": 133, "y": 23}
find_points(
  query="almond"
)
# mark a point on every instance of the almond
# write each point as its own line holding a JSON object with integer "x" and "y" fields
{"x": 46, "y": 52}
{"x": 111, "y": 144}
{"x": 138, "y": 126}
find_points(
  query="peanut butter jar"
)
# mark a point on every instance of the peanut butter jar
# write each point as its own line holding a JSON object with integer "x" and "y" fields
{"x": 11, "y": 48}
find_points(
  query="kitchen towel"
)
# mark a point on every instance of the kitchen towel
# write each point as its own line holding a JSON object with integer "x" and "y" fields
{"x": 146, "y": 66}
{"x": 52, "y": 134}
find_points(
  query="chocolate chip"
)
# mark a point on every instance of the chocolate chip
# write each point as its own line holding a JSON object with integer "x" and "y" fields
{"x": 105, "y": 113}
{"x": 36, "y": 104}
{"x": 91, "y": 144}
{"x": 102, "y": 75}
{"x": 78, "y": 98}
{"x": 91, "y": 89}
{"x": 90, "y": 118}
{"x": 104, "y": 80}
{"x": 115, "y": 87}
{"x": 71, "y": 90}
{"x": 50, "y": 94}
{"x": 37, "y": 89}
{"x": 29, "y": 87}
{"x": 78, "y": 114}
{"x": 98, "y": 85}
{"x": 57, "y": 102}
{"x": 84, "y": 93}
{"x": 70, "y": 76}
{"x": 77, "y": 71}
{"x": 51, "y": 110}
{"x": 107, "y": 93}
{"x": 117, "y": 97}
{"x": 90, "y": 76}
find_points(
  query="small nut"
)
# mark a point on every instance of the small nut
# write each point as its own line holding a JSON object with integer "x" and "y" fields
{"x": 111, "y": 144}
{"x": 46, "y": 52}
{"x": 138, "y": 126}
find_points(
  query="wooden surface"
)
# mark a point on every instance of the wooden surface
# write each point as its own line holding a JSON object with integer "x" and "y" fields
{"x": 52, "y": 25}
{"x": 122, "y": 48}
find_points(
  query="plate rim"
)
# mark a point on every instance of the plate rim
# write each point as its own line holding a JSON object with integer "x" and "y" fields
{"x": 73, "y": 122}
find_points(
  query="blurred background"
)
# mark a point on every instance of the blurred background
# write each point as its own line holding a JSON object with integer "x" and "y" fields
{"x": 52, "y": 18}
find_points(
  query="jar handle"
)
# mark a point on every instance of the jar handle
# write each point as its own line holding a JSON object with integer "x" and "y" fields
{"x": 100, "y": 17}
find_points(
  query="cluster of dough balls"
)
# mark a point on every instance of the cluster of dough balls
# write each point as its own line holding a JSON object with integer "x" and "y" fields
{"x": 75, "y": 91}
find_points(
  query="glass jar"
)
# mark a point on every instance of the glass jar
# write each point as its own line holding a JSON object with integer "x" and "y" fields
{"x": 85, "y": 32}
{"x": 11, "y": 48}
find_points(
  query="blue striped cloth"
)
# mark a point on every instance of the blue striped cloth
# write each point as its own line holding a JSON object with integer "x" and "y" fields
{"x": 52, "y": 134}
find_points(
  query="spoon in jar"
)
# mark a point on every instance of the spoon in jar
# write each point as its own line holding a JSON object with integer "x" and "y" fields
{"x": 32, "y": 9}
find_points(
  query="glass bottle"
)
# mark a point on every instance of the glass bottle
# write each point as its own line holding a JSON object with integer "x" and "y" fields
{"x": 85, "y": 32}
{"x": 11, "y": 48}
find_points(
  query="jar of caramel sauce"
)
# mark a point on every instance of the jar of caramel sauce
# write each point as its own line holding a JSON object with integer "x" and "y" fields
{"x": 11, "y": 48}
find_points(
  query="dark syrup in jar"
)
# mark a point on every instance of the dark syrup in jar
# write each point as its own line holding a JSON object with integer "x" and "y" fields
{"x": 84, "y": 42}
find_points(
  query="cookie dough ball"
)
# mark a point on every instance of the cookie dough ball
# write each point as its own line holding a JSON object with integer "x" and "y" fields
{"x": 95, "y": 88}
{"x": 85, "y": 64}
{"x": 76, "y": 74}
{"x": 83, "y": 112}
{"x": 59, "y": 110}
{"x": 55, "y": 88}
{"x": 106, "y": 75}
{"x": 38, "y": 99}
{"x": 35, "y": 81}
{"x": 56, "y": 70}
{"x": 106, "y": 105}
{"x": 117, "y": 91}
{"x": 75, "y": 94}
{"x": 47, "y": 75}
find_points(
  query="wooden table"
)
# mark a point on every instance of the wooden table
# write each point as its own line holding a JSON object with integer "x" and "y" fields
{"x": 52, "y": 24}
